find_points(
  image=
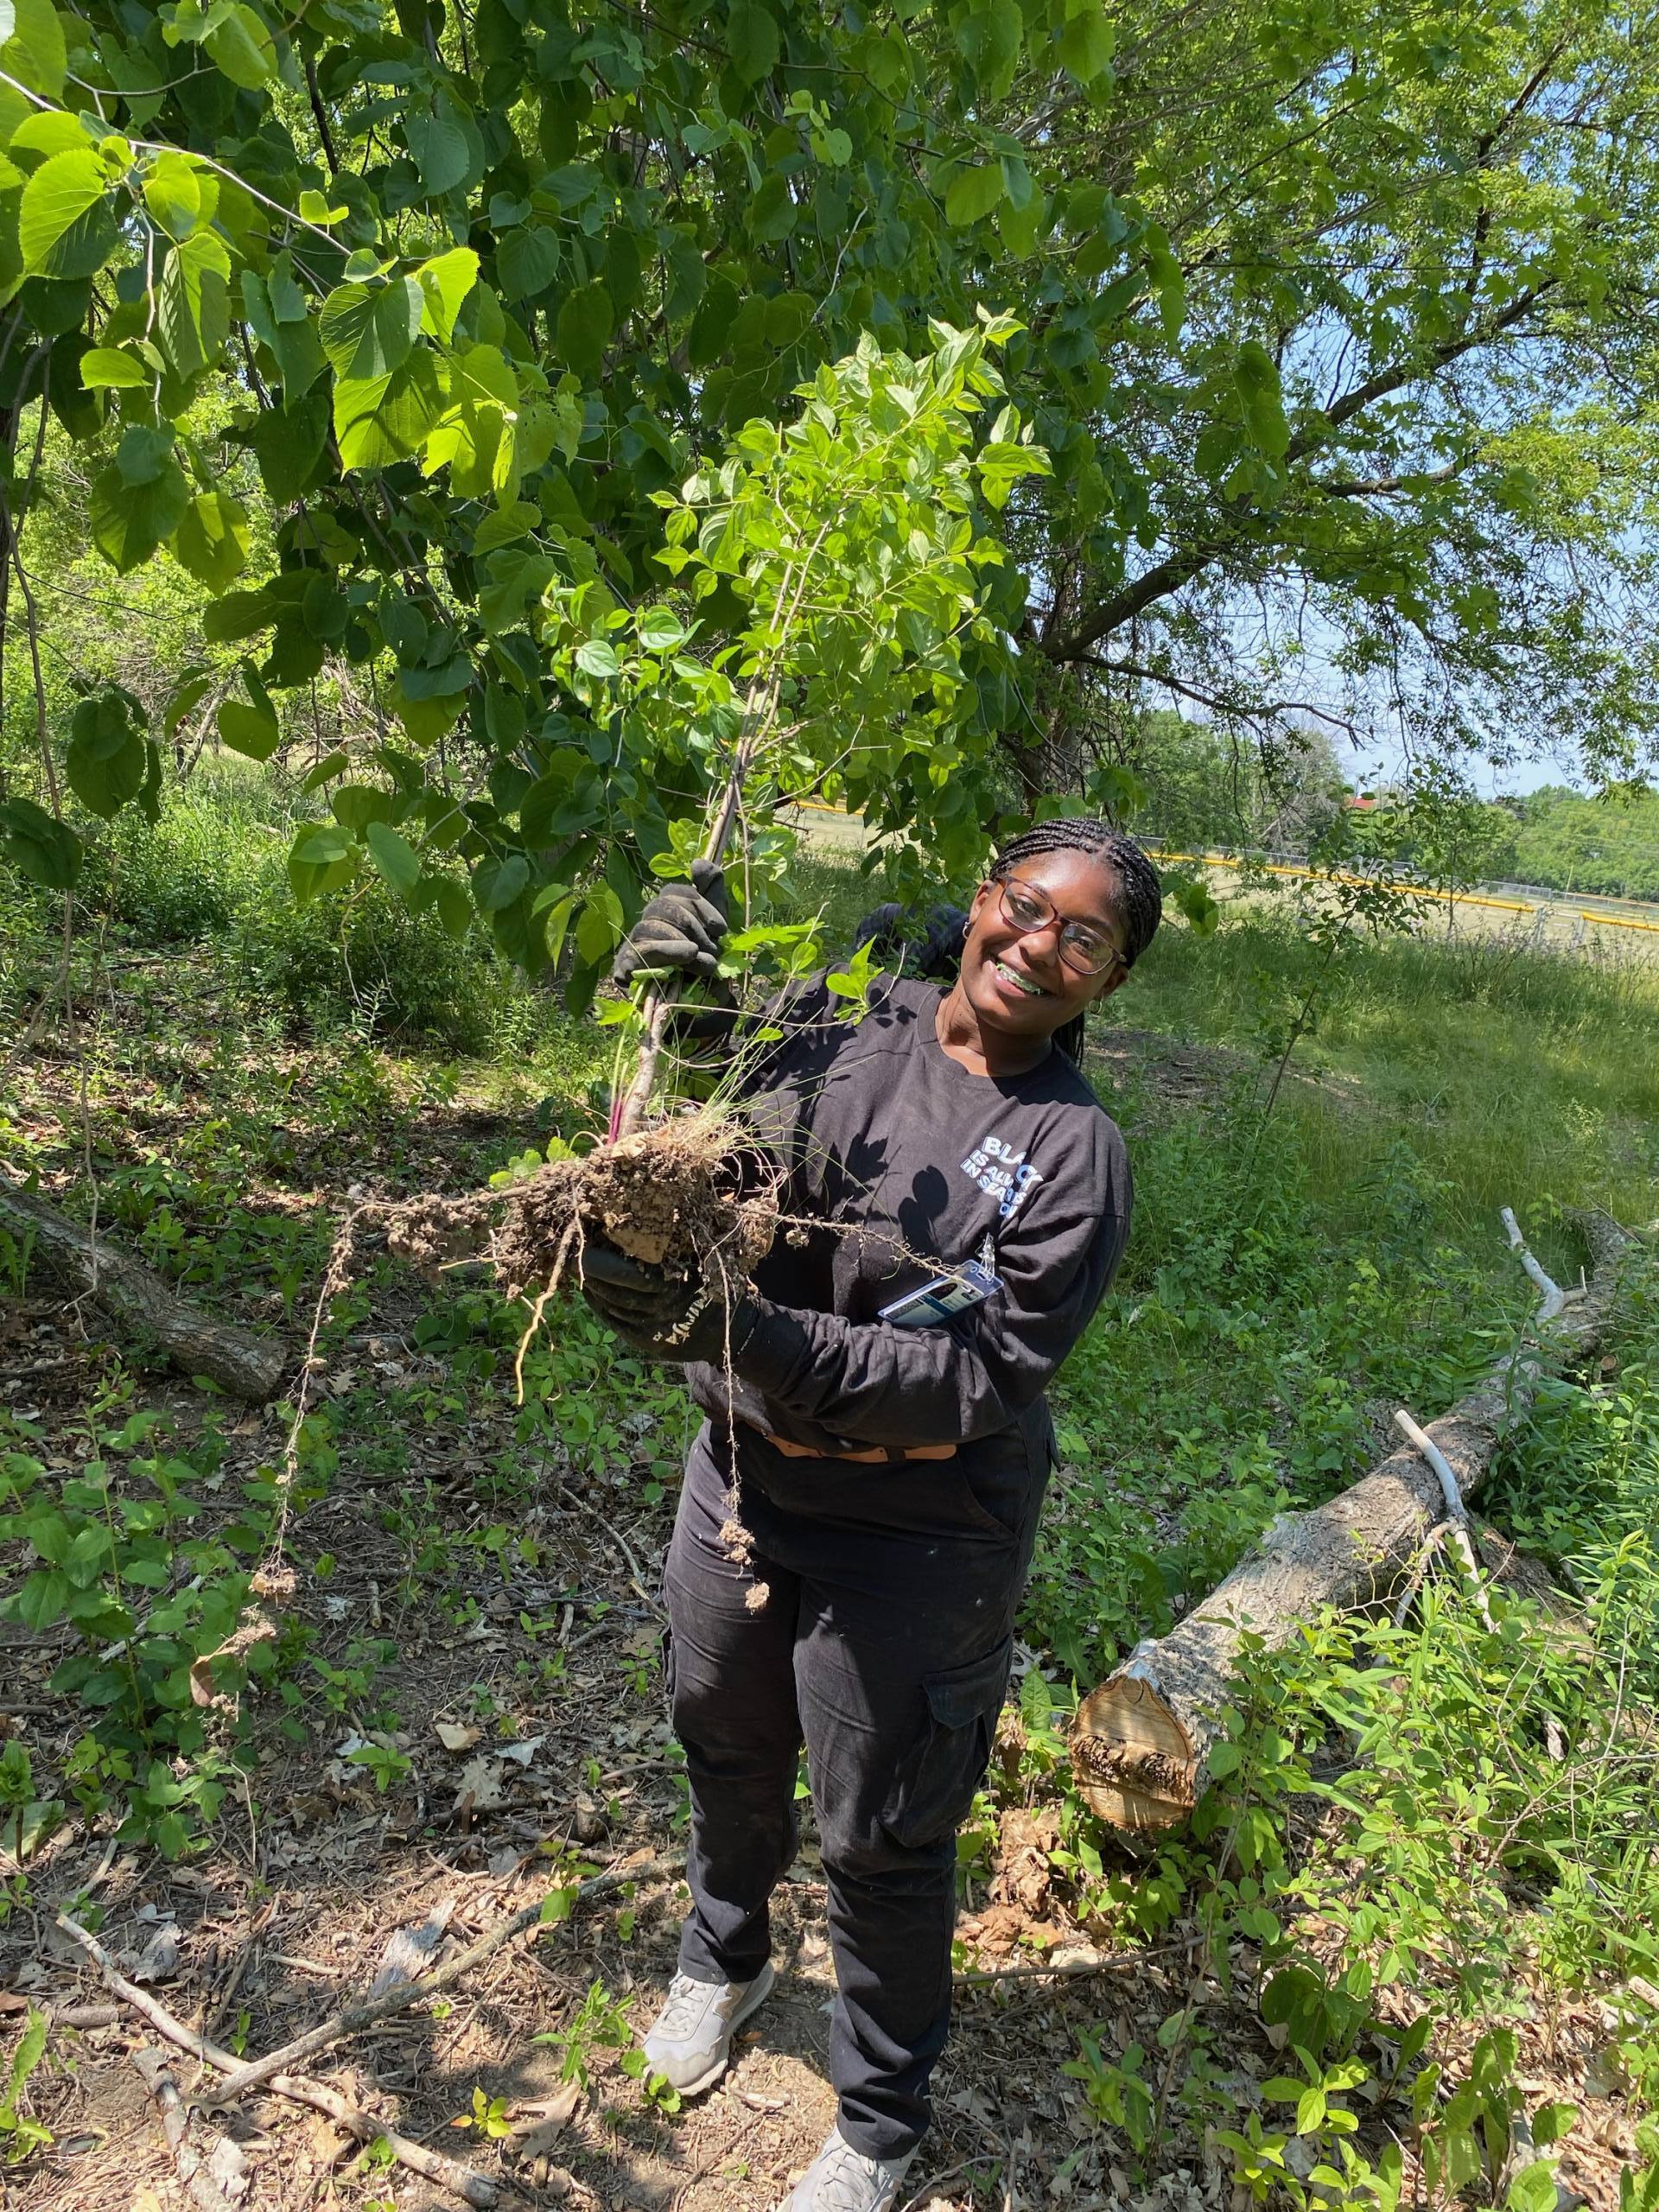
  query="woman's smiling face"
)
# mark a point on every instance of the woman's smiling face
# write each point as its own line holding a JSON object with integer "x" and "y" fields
{"x": 1015, "y": 978}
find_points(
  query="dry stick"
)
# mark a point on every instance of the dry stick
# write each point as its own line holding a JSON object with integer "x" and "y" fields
{"x": 197, "y": 2182}
{"x": 1072, "y": 1969}
{"x": 465, "y": 2182}
{"x": 402, "y": 1995}
{"x": 1455, "y": 1529}
{"x": 1552, "y": 1296}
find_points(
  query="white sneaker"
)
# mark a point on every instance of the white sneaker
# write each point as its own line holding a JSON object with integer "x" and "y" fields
{"x": 841, "y": 2179}
{"x": 689, "y": 2042}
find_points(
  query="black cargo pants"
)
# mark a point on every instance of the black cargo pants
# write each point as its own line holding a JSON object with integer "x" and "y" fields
{"x": 884, "y": 1645}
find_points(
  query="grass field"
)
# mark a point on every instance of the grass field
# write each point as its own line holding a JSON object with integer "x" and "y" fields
{"x": 1484, "y": 1864}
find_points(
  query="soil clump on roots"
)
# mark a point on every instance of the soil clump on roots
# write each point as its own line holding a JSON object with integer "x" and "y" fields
{"x": 670, "y": 1197}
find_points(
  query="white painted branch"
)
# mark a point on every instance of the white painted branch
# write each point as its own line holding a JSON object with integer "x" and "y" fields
{"x": 1552, "y": 1296}
{"x": 1437, "y": 1459}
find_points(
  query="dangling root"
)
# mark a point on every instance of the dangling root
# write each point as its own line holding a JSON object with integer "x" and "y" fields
{"x": 670, "y": 1197}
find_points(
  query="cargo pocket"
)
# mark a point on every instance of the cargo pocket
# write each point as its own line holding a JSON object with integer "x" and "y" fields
{"x": 935, "y": 1785}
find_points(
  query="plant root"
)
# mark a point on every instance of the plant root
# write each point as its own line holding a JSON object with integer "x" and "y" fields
{"x": 670, "y": 1196}
{"x": 667, "y": 1196}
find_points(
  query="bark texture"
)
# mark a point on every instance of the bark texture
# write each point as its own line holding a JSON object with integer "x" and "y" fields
{"x": 1141, "y": 1737}
{"x": 135, "y": 1298}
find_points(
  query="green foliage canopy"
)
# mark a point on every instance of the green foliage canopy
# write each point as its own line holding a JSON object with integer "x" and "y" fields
{"x": 1339, "y": 317}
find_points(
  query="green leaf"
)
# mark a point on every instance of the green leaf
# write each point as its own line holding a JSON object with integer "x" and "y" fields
{"x": 173, "y": 195}
{"x": 195, "y": 303}
{"x": 106, "y": 761}
{"x": 661, "y": 630}
{"x": 32, "y": 51}
{"x": 368, "y": 329}
{"x": 772, "y": 213}
{"x": 47, "y": 1592}
{"x": 973, "y": 193}
{"x": 110, "y": 368}
{"x": 242, "y": 48}
{"x": 506, "y": 526}
{"x": 599, "y": 925}
{"x": 990, "y": 38}
{"x": 454, "y": 909}
{"x": 752, "y": 40}
{"x": 445, "y": 281}
{"x": 496, "y": 884}
{"x": 440, "y": 152}
{"x": 1310, "y": 2111}
{"x": 288, "y": 445}
{"x": 46, "y": 130}
{"x": 321, "y": 858}
{"x": 1551, "y": 2122}
{"x": 129, "y": 520}
{"x": 526, "y": 261}
{"x": 1195, "y": 902}
{"x": 380, "y": 420}
{"x": 315, "y": 208}
{"x": 595, "y": 657}
{"x": 393, "y": 856}
{"x": 64, "y": 227}
{"x": 191, "y": 690}
{"x": 46, "y": 850}
{"x": 586, "y": 322}
{"x": 1088, "y": 43}
{"x": 144, "y": 453}
{"x": 1533, "y": 2189}
{"x": 247, "y": 728}
{"x": 212, "y": 539}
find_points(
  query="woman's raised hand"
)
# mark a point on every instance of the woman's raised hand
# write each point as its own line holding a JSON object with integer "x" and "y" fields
{"x": 680, "y": 931}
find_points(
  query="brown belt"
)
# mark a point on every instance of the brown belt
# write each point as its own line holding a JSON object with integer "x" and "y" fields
{"x": 879, "y": 1455}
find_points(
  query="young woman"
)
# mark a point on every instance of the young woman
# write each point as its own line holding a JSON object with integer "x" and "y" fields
{"x": 888, "y": 1454}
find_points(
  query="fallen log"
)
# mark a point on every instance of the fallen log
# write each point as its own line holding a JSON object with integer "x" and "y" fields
{"x": 135, "y": 1298}
{"x": 1142, "y": 1739}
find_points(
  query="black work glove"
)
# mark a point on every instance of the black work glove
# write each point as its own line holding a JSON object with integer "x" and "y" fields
{"x": 657, "y": 1314}
{"x": 681, "y": 928}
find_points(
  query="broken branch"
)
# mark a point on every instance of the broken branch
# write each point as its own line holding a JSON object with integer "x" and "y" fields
{"x": 465, "y": 2182}
{"x": 403, "y": 1995}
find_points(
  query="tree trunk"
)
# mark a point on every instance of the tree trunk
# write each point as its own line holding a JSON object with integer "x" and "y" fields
{"x": 1141, "y": 1739}
{"x": 137, "y": 1297}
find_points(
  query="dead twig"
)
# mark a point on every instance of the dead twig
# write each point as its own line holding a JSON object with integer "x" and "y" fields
{"x": 398, "y": 1998}
{"x": 195, "y": 2173}
{"x": 1073, "y": 1965}
{"x": 465, "y": 2182}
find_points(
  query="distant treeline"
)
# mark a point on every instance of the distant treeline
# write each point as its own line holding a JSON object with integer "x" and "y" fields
{"x": 1561, "y": 840}
{"x": 1192, "y": 785}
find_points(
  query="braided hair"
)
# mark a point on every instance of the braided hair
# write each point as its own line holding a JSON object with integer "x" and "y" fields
{"x": 1137, "y": 897}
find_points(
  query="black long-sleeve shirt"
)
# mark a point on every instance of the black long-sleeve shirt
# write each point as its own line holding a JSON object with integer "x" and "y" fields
{"x": 896, "y": 1149}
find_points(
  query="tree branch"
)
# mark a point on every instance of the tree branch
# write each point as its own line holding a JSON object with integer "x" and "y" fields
{"x": 1178, "y": 569}
{"x": 1259, "y": 710}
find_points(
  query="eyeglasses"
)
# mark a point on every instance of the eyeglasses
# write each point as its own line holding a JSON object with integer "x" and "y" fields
{"x": 1085, "y": 950}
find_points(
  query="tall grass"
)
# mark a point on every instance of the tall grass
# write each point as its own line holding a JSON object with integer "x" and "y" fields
{"x": 1517, "y": 1074}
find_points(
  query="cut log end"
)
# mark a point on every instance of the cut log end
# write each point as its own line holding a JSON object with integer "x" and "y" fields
{"x": 1135, "y": 1762}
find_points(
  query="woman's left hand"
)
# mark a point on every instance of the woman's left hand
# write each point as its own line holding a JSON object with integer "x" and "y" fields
{"x": 659, "y": 1314}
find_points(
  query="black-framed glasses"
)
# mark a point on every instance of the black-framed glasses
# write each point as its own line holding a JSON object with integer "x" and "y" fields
{"x": 1085, "y": 949}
